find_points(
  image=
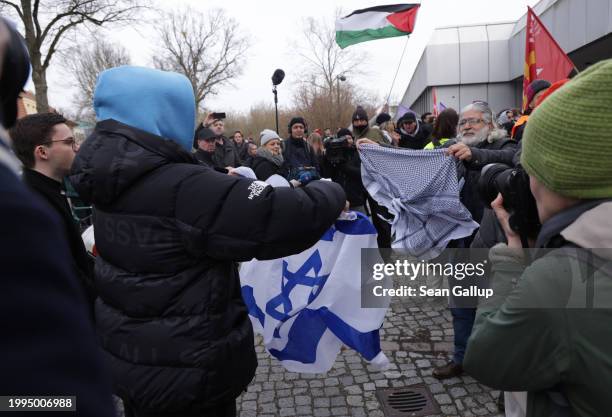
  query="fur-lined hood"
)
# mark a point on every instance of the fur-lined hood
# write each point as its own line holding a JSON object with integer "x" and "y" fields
{"x": 497, "y": 134}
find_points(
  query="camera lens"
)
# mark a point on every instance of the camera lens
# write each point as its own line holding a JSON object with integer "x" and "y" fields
{"x": 494, "y": 179}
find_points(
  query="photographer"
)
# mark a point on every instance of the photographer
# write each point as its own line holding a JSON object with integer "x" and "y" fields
{"x": 341, "y": 163}
{"x": 551, "y": 334}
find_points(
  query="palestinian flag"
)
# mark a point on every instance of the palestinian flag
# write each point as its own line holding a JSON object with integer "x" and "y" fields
{"x": 376, "y": 23}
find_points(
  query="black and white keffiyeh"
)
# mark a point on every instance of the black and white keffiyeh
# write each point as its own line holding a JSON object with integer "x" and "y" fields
{"x": 420, "y": 189}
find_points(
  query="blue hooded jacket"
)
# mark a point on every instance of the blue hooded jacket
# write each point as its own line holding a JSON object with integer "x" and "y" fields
{"x": 158, "y": 102}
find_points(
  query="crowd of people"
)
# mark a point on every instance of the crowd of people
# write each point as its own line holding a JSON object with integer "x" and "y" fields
{"x": 164, "y": 297}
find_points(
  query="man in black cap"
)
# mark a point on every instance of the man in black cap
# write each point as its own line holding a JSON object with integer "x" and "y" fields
{"x": 361, "y": 128}
{"x": 534, "y": 91}
{"x": 344, "y": 132}
{"x": 413, "y": 134}
{"x": 205, "y": 146}
{"x": 300, "y": 160}
{"x": 382, "y": 118}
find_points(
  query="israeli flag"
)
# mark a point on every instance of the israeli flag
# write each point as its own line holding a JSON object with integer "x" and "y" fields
{"x": 308, "y": 305}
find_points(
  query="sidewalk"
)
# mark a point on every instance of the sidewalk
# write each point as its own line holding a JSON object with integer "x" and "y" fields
{"x": 415, "y": 337}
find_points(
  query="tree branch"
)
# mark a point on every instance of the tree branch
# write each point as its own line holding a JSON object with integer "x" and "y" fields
{"x": 56, "y": 39}
{"x": 16, "y": 7}
{"x": 35, "y": 17}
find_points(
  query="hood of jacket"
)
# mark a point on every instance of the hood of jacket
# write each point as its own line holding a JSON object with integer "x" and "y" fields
{"x": 159, "y": 102}
{"x": 592, "y": 229}
{"x": 497, "y": 134}
{"x": 411, "y": 117}
{"x": 115, "y": 156}
{"x": 588, "y": 224}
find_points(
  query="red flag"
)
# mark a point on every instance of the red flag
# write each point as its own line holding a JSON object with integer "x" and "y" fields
{"x": 435, "y": 102}
{"x": 544, "y": 58}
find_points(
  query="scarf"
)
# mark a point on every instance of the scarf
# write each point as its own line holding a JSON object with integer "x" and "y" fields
{"x": 275, "y": 159}
{"x": 420, "y": 189}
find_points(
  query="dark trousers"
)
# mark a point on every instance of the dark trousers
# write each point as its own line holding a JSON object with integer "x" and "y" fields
{"x": 463, "y": 321}
{"x": 382, "y": 227}
{"x": 462, "y": 309}
{"x": 227, "y": 409}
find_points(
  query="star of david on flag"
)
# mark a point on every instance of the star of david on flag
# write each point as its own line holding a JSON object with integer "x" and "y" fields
{"x": 308, "y": 305}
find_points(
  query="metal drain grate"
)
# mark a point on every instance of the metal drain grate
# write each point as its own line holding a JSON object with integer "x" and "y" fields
{"x": 412, "y": 401}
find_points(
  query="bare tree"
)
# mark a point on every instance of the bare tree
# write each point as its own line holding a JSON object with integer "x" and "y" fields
{"x": 323, "y": 110}
{"x": 47, "y": 22}
{"x": 323, "y": 59}
{"x": 207, "y": 48}
{"x": 325, "y": 64}
{"x": 85, "y": 64}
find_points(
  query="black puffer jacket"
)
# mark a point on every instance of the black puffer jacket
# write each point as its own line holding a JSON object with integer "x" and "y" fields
{"x": 170, "y": 313}
{"x": 346, "y": 171}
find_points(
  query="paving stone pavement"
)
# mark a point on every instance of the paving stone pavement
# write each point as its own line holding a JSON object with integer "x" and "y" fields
{"x": 417, "y": 336}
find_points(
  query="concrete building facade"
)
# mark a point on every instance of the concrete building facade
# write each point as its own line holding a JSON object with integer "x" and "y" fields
{"x": 485, "y": 62}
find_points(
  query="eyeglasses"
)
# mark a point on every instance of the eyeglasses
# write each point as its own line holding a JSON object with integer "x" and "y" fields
{"x": 70, "y": 141}
{"x": 471, "y": 121}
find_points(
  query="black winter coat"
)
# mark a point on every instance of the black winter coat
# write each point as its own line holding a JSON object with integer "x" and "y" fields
{"x": 54, "y": 196}
{"x": 418, "y": 141}
{"x": 225, "y": 155}
{"x": 264, "y": 168}
{"x": 297, "y": 153}
{"x": 48, "y": 345}
{"x": 348, "y": 175}
{"x": 170, "y": 313}
{"x": 499, "y": 151}
{"x": 242, "y": 150}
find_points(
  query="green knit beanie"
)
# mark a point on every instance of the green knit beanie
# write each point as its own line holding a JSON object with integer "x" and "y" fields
{"x": 567, "y": 144}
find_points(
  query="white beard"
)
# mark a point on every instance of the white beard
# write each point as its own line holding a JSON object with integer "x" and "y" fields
{"x": 480, "y": 136}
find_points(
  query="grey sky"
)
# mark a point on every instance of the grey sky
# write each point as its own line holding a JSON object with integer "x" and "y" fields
{"x": 274, "y": 25}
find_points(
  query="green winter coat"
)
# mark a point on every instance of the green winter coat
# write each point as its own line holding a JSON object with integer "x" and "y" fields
{"x": 537, "y": 334}
{"x": 372, "y": 134}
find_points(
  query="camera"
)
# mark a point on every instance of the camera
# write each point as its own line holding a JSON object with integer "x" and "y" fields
{"x": 513, "y": 184}
{"x": 303, "y": 174}
{"x": 336, "y": 150}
